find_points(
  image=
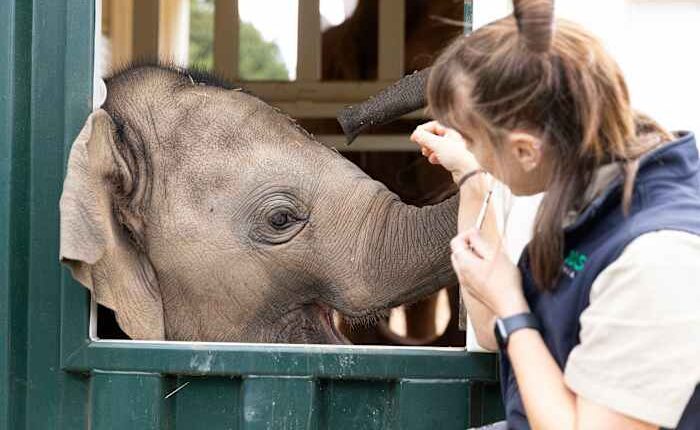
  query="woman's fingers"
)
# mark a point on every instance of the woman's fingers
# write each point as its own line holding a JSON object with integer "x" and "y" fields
{"x": 478, "y": 244}
{"x": 470, "y": 240}
{"x": 433, "y": 127}
{"x": 426, "y": 138}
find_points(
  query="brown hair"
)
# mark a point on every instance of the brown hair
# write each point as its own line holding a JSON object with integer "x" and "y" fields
{"x": 552, "y": 77}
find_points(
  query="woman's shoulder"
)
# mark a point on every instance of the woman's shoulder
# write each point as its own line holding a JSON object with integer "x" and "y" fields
{"x": 656, "y": 272}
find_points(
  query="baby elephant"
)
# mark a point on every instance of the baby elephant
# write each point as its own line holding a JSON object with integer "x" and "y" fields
{"x": 198, "y": 212}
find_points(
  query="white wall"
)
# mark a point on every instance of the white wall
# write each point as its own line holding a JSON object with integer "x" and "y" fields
{"x": 656, "y": 44}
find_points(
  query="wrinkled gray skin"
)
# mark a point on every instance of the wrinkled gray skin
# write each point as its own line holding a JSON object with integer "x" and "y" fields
{"x": 201, "y": 213}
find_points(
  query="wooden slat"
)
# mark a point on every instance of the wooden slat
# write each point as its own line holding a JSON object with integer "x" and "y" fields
{"x": 332, "y": 92}
{"x": 226, "y": 39}
{"x": 392, "y": 17}
{"x": 309, "y": 42}
{"x": 174, "y": 31}
{"x": 306, "y": 109}
{"x": 375, "y": 142}
{"x": 145, "y": 30}
{"x": 121, "y": 34}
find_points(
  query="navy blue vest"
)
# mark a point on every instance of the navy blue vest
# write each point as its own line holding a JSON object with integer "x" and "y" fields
{"x": 666, "y": 197}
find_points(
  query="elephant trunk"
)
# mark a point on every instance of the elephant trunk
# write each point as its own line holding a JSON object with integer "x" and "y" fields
{"x": 404, "y": 96}
{"x": 405, "y": 255}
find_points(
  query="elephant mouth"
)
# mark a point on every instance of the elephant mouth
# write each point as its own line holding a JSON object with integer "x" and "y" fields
{"x": 330, "y": 329}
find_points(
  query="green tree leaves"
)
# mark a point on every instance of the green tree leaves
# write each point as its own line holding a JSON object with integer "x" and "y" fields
{"x": 258, "y": 58}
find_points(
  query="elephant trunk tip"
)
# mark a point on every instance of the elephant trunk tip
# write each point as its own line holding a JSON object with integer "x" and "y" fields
{"x": 400, "y": 98}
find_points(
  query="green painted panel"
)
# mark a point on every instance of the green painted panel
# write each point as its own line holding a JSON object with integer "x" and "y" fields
{"x": 128, "y": 400}
{"x": 15, "y": 60}
{"x": 279, "y": 403}
{"x": 55, "y": 108}
{"x": 358, "y": 404}
{"x": 433, "y": 404}
{"x": 289, "y": 360}
{"x": 214, "y": 401}
{"x": 48, "y": 366}
{"x": 485, "y": 406}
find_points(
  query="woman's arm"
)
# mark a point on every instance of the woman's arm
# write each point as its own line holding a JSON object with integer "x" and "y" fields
{"x": 471, "y": 197}
{"x": 447, "y": 148}
{"x": 549, "y": 404}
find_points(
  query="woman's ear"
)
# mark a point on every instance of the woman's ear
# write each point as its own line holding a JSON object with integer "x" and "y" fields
{"x": 526, "y": 149}
{"x": 95, "y": 244}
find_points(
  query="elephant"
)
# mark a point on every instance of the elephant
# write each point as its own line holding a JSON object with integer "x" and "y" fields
{"x": 197, "y": 212}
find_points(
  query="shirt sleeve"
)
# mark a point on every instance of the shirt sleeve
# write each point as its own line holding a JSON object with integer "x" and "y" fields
{"x": 640, "y": 336}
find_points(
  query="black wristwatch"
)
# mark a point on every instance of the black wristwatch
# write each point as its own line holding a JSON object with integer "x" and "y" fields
{"x": 507, "y": 326}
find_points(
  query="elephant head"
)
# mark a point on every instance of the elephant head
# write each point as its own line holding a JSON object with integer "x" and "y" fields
{"x": 198, "y": 212}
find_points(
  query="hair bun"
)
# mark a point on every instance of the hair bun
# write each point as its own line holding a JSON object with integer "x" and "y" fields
{"x": 535, "y": 20}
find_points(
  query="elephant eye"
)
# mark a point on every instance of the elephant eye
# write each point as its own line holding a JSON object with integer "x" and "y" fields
{"x": 281, "y": 219}
{"x": 278, "y": 218}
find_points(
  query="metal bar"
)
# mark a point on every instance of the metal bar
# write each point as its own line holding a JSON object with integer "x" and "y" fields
{"x": 353, "y": 362}
{"x": 392, "y": 17}
{"x": 226, "y": 39}
{"x": 309, "y": 42}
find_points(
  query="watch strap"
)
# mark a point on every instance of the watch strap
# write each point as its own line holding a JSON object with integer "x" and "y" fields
{"x": 507, "y": 326}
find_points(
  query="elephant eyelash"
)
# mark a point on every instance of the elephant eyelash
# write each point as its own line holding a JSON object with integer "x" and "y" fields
{"x": 368, "y": 320}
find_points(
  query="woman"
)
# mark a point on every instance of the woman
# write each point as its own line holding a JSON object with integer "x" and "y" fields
{"x": 599, "y": 323}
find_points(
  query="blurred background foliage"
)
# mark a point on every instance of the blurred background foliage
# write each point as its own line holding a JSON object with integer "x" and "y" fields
{"x": 258, "y": 58}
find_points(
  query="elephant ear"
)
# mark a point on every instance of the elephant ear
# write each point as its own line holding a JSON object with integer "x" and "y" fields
{"x": 96, "y": 247}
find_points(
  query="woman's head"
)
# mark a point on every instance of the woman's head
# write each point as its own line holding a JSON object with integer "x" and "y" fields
{"x": 541, "y": 104}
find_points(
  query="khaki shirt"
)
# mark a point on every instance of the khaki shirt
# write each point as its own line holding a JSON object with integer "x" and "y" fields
{"x": 640, "y": 336}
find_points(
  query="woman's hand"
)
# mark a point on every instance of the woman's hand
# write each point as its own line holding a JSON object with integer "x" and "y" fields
{"x": 487, "y": 275}
{"x": 446, "y": 147}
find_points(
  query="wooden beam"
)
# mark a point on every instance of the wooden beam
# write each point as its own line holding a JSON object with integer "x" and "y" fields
{"x": 343, "y": 92}
{"x": 226, "y": 39}
{"x": 145, "y": 27}
{"x": 376, "y": 142}
{"x": 305, "y": 109}
{"x": 392, "y": 18}
{"x": 309, "y": 42}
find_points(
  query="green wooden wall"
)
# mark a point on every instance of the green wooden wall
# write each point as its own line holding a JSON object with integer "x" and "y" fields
{"x": 53, "y": 377}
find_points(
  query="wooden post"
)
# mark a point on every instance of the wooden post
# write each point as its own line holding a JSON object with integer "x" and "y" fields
{"x": 226, "y": 35}
{"x": 174, "y": 31}
{"x": 309, "y": 42}
{"x": 145, "y": 27}
{"x": 392, "y": 18}
{"x": 121, "y": 36}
